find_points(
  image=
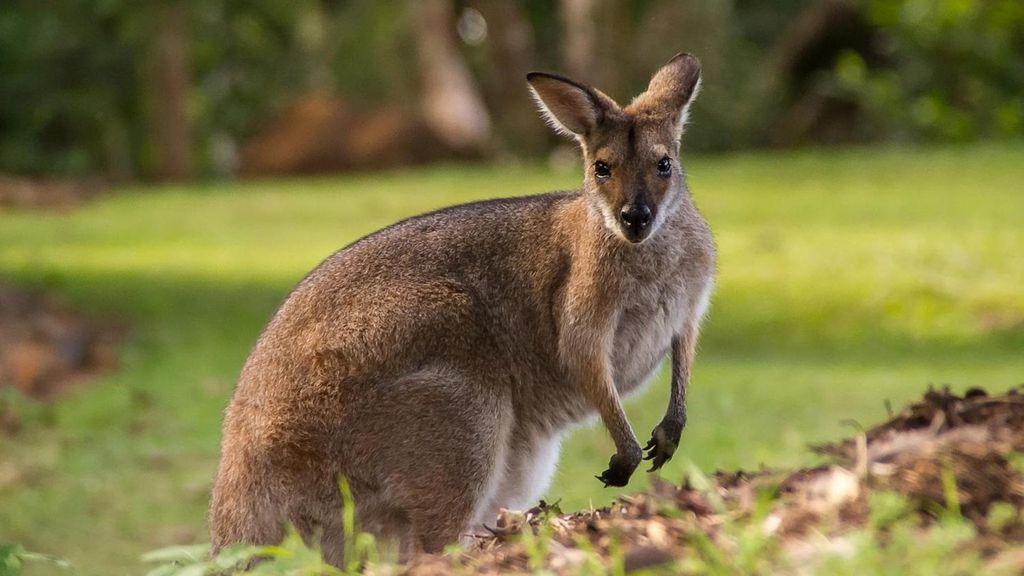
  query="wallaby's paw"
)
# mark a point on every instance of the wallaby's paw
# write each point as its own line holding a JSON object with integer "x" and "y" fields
{"x": 619, "y": 470}
{"x": 663, "y": 443}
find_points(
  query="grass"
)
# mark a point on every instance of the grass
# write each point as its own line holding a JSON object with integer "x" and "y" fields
{"x": 846, "y": 278}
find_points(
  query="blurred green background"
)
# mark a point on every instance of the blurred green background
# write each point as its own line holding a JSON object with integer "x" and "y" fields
{"x": 184, "y": 88}
{"x": 860, "y": 163}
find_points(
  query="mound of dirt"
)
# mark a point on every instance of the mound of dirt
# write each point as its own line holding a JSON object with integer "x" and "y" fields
{"x": 942, "y": 443}
{"x": 45, "y": 347}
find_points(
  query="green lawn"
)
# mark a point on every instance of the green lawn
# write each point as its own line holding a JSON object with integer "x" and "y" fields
{"x": 846, "y": 278}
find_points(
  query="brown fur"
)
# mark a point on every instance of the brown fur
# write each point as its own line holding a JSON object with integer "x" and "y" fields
{"x": 436, "y": 363}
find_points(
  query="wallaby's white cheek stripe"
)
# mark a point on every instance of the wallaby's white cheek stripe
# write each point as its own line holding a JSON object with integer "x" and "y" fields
{"x": 610, "y": 221}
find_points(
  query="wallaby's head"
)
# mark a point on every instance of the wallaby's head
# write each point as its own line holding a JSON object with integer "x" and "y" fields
{"x": 630, "y": 154}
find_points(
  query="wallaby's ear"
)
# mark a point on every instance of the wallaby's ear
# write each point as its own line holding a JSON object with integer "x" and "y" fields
{"x": 672, "y": 90}
{"x": 570, "y": 108}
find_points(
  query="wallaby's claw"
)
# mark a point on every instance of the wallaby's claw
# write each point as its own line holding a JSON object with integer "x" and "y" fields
{"x": 612, "y": 478}
{"x": 618, "y": 472}
{"x": 662, "y": 445}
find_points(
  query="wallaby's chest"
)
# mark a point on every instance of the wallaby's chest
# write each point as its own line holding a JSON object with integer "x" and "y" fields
{"x": 653, "y": 310}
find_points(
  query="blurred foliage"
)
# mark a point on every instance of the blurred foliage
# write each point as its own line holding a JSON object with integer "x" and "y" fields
{"x": 954, "y": 72}
{"x": 68, "y": 83}
{"x": 77, "y": 91}
{"x": 373, "y": 53}
{"x": 14, "y": 557}
{"x": 74, "y": 99}
{"x": 247, "y": 58}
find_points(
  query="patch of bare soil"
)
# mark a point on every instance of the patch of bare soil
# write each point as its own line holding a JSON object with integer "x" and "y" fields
{"x": 46, "y": 193}
{"x": 969, "y": 439}
{"x": 45, "y": 347}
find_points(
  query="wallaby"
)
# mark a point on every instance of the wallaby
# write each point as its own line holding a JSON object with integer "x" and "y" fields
{"x": 437, "y": 363}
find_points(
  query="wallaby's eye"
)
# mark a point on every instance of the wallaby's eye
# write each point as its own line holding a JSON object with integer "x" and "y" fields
{"x": 602, "y": 170}
{"x": 664, "y": 167}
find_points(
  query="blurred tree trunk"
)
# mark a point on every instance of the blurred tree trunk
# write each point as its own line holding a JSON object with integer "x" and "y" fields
{"x": 579, "y": 45}
{"x": 450, "y": 103}
{"x": 169, "y": 93}
{"x": 512, "y": 52}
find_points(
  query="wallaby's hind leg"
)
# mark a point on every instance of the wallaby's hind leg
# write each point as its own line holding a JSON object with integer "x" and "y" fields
{"x": 242, "y": 509}
{"x": 393, "y": 538}
{"x": 434, "y": 444}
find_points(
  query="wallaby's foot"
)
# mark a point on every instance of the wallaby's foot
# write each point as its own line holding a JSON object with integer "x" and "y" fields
{"x": 663, "y": 443}
{"x": 620, "y": 468}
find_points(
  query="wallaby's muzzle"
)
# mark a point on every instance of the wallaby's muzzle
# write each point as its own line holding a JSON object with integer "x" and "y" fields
{"x": 636, "y": 221}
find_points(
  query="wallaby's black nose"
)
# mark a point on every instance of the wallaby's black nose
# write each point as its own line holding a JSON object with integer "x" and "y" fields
{"x": 636, "y": 217}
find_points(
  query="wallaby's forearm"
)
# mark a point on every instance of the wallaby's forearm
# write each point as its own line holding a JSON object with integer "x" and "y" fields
{"x": 599, "y": 389}
{"x": 586, "y": 350}
{"x": 665, "y": 436}
{"x": 681, "y": 361}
